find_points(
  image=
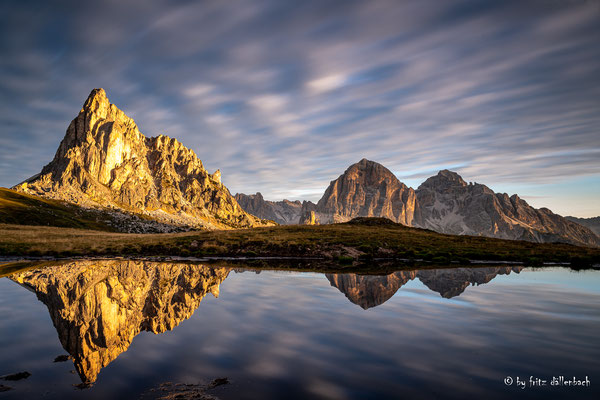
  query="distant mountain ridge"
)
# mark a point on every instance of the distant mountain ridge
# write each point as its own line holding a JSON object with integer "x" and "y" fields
{"x": 283, "y": 212}
{"x": 444, "y": 203}
{"x": 592, "y": 224}
{"x": 105, "y": 161}
{"x": 449, "y": 205}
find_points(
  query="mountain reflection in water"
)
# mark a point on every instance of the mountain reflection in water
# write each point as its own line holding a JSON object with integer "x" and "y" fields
{"x": 98, "y": 307}
{"x": 372, "y": 290}
{"x": 290, "y": 334}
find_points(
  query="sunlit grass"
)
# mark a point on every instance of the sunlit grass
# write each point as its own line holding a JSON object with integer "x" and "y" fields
{"x": 339, "y": 241}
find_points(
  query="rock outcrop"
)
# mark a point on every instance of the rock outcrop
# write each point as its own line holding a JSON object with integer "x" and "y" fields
{"x": 283, "y": 212}
{"x": 449, "y": 205}
{"x": 309, "y": 218}
{"x": 105, "y": 161}
{"x": 592, "y": 224}
{"x": 367, "y": 189}
{"x": 98, "y": 307}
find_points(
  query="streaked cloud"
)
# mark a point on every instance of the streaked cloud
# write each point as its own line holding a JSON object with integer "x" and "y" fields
{"x": 327, "y": 83}
{"x": 284, "y": 97}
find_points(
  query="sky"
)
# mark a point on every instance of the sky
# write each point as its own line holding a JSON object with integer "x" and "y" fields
{"x": 283, "y": 96}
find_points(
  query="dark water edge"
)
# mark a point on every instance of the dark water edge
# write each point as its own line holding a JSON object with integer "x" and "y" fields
{"x": 418, "y": 332}
{"x": 316, "y": 264}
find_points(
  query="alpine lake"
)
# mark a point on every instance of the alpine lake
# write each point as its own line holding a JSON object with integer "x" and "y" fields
{"x": 129, "y": 329}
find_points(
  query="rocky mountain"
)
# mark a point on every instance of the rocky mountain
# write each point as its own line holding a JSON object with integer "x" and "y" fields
{"x": 369, "y": 291}
{"x": 283, "y": 212}
{"x": 366, "y": 189}
{"x": 444, "y": 203}
{"x": 98, "y": 307}
{"x": 105, "y": 161}
{"x": 592, "y": 224}
{"x": 449, "y": 205}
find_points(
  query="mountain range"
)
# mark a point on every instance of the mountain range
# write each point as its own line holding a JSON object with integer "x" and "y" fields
{"x": 157, "y": 184}
{"x": 283, "y": 212}
{"x": 444, "y": 203}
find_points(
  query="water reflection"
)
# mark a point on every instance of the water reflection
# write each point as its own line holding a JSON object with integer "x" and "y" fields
{"x": 293, "y": 335}
{"x": 373, "y": 290}
{"x": 98, "y": 307}
{"x": 370, "y": 290}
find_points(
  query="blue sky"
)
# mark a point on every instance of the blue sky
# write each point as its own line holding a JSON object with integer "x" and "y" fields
{"x": 283, "y": 96}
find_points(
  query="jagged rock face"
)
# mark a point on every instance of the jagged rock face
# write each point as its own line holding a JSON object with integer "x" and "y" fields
{"x": 447, "y": 204}
{"x": 373, "y": 290}
{"x": 444, "y": 203}
{"x": 369, "y": 291}
{"x": 105, "y": 161}
{"x": 283, "y": 212}
{"x": 367, "y": 189}
{"x": 453, "y": 282}
{"x": 592, "y": 224}
{"x": 309, "y": 218}
{"x": 98, "y": 307}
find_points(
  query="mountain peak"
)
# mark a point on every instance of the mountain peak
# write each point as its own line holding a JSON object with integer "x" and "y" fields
{"x": 367, "y": 189}
{"x": 372, "y": 168}
{"x": 96, "y": 100}
{"x": 365, "y": 162}
{"x": 449, "y": 205}
{"x": 104, "y": 160}
{"x": 370, "y": 173}
{"x": 98, "y": 93}
{"x": 451, "y": 176}
{"x": 444, "y": 178}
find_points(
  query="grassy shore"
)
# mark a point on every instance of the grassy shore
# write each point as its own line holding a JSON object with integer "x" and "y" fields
{"x": 362, "y": 240}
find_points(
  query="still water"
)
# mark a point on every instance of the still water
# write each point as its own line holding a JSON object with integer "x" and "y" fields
{"x": 130, "y": 326}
